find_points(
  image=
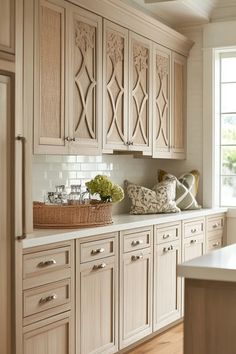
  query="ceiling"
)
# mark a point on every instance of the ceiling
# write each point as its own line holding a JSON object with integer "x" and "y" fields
{"x": 182, "y": 13}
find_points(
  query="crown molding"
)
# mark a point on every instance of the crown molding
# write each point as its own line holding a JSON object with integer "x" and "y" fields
{"x": 139, "y": 22}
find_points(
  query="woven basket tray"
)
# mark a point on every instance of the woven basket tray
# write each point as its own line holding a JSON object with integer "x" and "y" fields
{"x": 71, "y": 216}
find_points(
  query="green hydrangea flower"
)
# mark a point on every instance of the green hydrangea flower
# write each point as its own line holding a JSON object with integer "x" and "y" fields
{"x": 107, "y": 191}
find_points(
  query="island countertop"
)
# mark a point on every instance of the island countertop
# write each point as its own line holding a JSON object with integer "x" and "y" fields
{"x": 219, "y": 265}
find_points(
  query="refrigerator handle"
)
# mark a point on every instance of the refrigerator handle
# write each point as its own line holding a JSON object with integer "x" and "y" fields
{"x": 23, "y": 141}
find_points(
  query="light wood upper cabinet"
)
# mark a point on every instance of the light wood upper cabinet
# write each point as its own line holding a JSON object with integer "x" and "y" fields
{"x": 98, "y": 307}
{"x": 50, "y": 118}
{"x": 7, "y": 27}
{"x": 179, "y": 96}
{"x": 167, "y": 286}
{"x": 51, "y": 336}
{"x": 161, "y": 102}
{"x": 85, "y": 82}
{"x": 135, "y": 296}
{"x": 140, "y": 93}
{"x": 115, "y": 81}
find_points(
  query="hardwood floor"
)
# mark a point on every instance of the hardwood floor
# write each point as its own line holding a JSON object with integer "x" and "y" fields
{"x": 170, "y": 342}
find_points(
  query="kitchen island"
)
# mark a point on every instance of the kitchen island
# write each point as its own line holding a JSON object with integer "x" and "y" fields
{"x": 210, "y": 303}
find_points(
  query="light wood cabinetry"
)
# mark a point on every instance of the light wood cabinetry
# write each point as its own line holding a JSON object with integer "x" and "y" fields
{"x": 97, "y": 297}
{"x": 193, "y": 239}
{"x": 50, "y": 116}
{"x": 140, "y": 94}
{"x": 179, "y": 102}
{"x": 48, "y": 299}
{"x": 161, "y": 102}
{"x": 67, "y": 79}
{"x": 115, "y": 82}
{"x": 6, "y": 212}
{"x": 51, "y": 336}
{"x": 85, "y": 55}
{"x": 127, "y": 97}
{"x": 167, "y": 286}
{"x": 7, "y": 28}
{"x": 215, "y": 232}
{"x": 135, "y": 292}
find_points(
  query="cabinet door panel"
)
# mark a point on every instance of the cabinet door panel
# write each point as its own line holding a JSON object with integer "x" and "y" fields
{"x": 97, "y": 307}
{"x": 179, "y": 93}
{"x": 7, "y": 20}
{"x": 193, "y": 247}
{"x": 115, "y": 86}
{"x": 49, "y": 77}
{"x": 6, "y": 211}
{"x": 53, "y": 338}
{"x": 86, "y": 81}
{"x": 167, "y": 286}
{"x": 161, "y": 102}
{"x": 135, "y": 295}
{"x": 140, "y": 63}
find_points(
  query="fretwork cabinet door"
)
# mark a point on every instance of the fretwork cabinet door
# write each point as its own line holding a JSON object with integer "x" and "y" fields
{"x": 85, "y": 82}
{"x": 140, "y": 94}
{"x": 115, "y": 87}
{"x": 161, "y": 102}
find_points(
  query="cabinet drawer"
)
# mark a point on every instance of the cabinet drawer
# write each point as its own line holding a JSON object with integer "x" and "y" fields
{"x": 193, "y": 228}
{"x": 90, "y": 251}
{"x": 43, "y": 267}
{"x": 215, "y": 223}
{"x": 46, "y": 297}
{"x": 167, "y": 233}
{"x": 214, "y": 244}
{"x": 136, "y": 241}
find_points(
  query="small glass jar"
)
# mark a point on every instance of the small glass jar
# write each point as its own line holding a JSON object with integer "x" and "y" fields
{"x": 60, "y": 195}
{"x": 75, "y": 194}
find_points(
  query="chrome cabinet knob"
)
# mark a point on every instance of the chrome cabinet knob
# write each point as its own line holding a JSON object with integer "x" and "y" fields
{"x": 99, "y": 266}
{"x": 136, "y": 258}
{"x": 97, "y": 251}
{"x": 137, "y": 242}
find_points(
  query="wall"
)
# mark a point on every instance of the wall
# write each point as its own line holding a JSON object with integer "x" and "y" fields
{"x": 217, "y": 35}
{"x": 49, "y": 171}
{"x": 194, "y": 112}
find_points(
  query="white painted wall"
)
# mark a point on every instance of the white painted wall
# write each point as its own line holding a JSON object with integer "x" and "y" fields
{"x": 216, "y": 35}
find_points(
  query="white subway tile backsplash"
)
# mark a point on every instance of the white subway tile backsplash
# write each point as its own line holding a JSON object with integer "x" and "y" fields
{"x": 50, "y": 170}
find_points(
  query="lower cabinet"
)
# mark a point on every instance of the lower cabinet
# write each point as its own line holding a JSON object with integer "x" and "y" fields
{"x": 193, "y": 247}
{"x": 51, "y": 336}
{"x": 135, "y": 292}
{"x": 167, "y": 286}
{"x": 97, "y": 303}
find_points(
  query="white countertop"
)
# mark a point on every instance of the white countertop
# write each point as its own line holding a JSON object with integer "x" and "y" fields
{"x": 219, "y": 265}
{"x": 120, "y": 222}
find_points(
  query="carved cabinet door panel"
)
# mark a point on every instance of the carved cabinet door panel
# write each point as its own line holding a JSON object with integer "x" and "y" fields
{"x": 85, "y": 82}
{"x": 179, "y": 98}
{"x": 161, "y": 102}
{"x": 140, "y": 96}
{"x": 50, "y": 61}
{"x": 115, "y": 90}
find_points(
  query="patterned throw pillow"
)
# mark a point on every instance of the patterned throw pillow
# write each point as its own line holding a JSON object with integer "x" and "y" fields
{"x": 186, "y": 189}
{"x": 160, "y": 199}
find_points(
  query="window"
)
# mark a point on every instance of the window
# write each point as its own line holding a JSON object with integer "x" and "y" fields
{"x": 226, "y": 127}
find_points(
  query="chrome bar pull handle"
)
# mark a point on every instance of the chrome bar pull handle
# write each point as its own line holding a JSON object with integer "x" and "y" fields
{"x": 46, "y": 299}
{"x": 97, "y": 251}
{"x": 47, "y": 263}
{"x": 137, "y": 242}
{"x": 99, "y": 266}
